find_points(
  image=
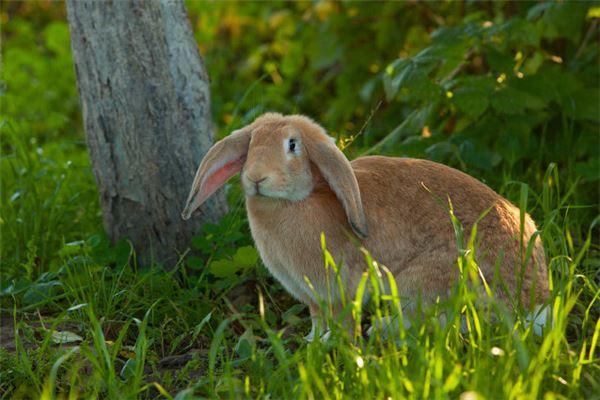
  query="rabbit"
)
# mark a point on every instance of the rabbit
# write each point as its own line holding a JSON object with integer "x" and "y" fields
{"x": 298, "y": 184}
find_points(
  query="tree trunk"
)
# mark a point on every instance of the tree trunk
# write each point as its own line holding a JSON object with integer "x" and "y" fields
{"x": 146, "y": 109}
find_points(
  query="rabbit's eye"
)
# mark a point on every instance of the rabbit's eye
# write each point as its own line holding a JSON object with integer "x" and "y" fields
{"x": 292, "y": 145}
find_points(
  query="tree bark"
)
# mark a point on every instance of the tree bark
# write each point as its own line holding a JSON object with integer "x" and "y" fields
{"x": 146, "y": 109}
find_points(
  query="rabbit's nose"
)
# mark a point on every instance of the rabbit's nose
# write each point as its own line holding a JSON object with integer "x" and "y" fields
{"x": 257, "y": 183}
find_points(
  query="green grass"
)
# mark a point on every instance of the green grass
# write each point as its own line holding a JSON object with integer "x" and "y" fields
{"x": 130, "y": 318}
{"x": 81, "y": 319}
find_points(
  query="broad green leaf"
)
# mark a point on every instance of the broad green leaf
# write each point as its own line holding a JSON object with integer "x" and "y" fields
{"x": 533, "y": 63}
{"x": 422, "y": 88}
{"x": 478, "y": 156}
{"x": 246, "y": 256}
{"x": 564, "y": 20}
{"x": 499, "y": 62}
{"x": 485, "y": 83}
{"x": 452, "y": 58}
{"x": 538, "y": 10}
{"x": 439, "y": 151}
{"x": 522, "y": 32}
{"x": 63, "y": 337}
{"x": 41, "y": 292}
{"x": 543, "y": 84}
{"x": 394, "y": 76}
{"x": 413, "y": 124}
{"x": 195, "y": 262}
{"x": 201, "y": 243}
{"x": 471, "y": 101}
{"x": 512, "y": 101}
{"x": 442, "y": 52}
{"x": 223, "y": 268}
{"x": 245, "y": 345}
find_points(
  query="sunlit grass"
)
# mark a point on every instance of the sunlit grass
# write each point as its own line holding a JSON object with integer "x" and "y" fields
{"x": 457, "y": 345}
{"x": 130, "y": 318}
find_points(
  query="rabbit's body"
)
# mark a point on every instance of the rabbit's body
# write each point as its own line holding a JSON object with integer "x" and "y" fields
{"x": 299, "y": 184}
{"x": 417, "y": 241}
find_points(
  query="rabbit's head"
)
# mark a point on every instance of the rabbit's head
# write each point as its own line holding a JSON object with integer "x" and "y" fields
{"x": 279, "y": 157}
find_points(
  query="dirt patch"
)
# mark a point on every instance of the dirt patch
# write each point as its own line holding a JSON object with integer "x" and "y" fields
{"x": 7, "y": 333}
{"x": 32, "y": 332}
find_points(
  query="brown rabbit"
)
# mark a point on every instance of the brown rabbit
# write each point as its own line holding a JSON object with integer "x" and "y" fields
{"x": 299, "y": 184}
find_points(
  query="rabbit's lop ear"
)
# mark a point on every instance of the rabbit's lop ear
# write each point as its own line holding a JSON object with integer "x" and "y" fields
{"x": 337, "y": 171}
{"x": 225, "y": 159}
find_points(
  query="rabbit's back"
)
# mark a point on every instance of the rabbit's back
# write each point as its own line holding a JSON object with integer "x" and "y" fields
{"x": 406, "y": 203}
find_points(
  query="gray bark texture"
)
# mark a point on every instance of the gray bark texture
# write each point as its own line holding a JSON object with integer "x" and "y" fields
{"x": 146, "y": 109}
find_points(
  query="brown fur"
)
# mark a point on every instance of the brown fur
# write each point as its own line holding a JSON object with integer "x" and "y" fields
{"x": 392, "y": 204}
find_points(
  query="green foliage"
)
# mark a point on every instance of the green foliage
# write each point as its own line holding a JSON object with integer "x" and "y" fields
{"x": 38, "y": 79}
{"x": 500, "y": 94}
{"x": 506, "y": 91}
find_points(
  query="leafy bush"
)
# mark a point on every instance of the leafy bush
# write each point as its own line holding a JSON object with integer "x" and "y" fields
{"x": 39, "y": 96}
{"x": 499, "y": 91}
{"x": 498, "y": 95}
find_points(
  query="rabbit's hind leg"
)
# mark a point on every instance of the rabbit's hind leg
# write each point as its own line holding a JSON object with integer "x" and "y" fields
{"x": 319, "y": 324}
